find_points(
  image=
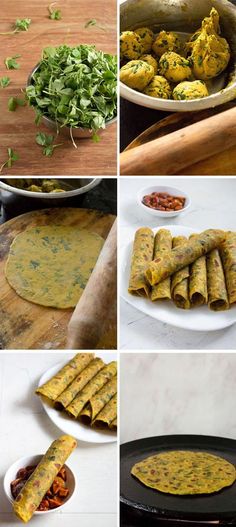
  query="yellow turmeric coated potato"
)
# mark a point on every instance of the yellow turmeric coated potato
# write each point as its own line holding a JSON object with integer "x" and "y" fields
{"x": 174, "y": 67}
{"x": 190, "y": 90}
{"x": 34, "y": 188}
{"x": 147, "y": 37}
{"x": 166, "y": 42}
{"x": 210, "y": 52}
{"x": 151, "y": 61}
{"x": 159, "y": 87}
{"x": 130, "y": 45}
{"x": 136, "y": 74}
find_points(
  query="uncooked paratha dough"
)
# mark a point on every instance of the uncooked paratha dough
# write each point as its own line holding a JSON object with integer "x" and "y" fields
{"x": 184, "y": 472}
{"x": 51, "y": 265}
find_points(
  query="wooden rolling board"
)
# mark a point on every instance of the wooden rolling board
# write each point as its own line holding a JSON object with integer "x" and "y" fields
{"x": 17, "y": 129}
{"x": 223, "y": 163}
{"x": 24, "y": 325}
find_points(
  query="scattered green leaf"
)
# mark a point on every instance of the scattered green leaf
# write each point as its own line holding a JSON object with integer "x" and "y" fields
{"x": 4, "y": 82}
{"x": 46, "y": 140}
{"x": 12, "y": 156}
{"x": 21, "y": 24}
{"x": 54, "y": 14}
{"x": 11, "y": 63}
{"x": 75, "y": 87}
{"x": 93, "y": 22}
{"x": 90, "y": 23}
{"x": 13, "y": 102}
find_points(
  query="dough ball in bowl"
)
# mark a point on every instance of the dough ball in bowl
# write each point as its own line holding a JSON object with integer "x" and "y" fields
{"x": 188, "y": 90}
{"x": 159, "y": 87}
{"x": 166, "y": 41}
{"x": 210, "y": 52}
{"x": 130, "y": 45}
{"x": 147, "y": 37}
{"x": 174, "y": 67}
{"x": 136, "y": 74}
{"x": 151, "y": 61}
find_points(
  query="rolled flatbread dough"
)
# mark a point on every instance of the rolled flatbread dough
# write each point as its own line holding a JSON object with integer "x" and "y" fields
{"x": 51, "y": 265}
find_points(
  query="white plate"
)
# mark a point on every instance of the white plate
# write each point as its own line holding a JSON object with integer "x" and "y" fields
{"x": 196, "y": 319}
{"x": 69, "y": 425}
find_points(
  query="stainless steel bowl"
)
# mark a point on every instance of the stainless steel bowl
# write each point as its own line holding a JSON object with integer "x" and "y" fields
{"x": 183, "y": 16}
{"x": 77, "y": 133}
{"x": 73, "y": 188}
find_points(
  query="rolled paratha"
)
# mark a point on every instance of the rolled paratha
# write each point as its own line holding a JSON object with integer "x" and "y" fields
{"x": 91, "y": 388}
{"x": 228, "y": 255}
{"x": 113, "y": 424}
{"x": 59, "y": 382}
{"x": 179, "y": 280}
{"x": 217, "y": 293}
{"x": 107, "y": 415}
{"x": 43, "y": 476}
{"x": 167, "y": 264}
{"x": 162, "y": 243}
{"x": 141, "y": 256}
{"x": 198, "y": 281}
{"x": 99, "y": 400}
{"x": 185, "y": 472}
{"x": 78, "y": 384}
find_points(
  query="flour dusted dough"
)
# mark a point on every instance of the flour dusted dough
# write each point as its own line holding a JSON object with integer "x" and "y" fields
{"x": 51, "y": 265}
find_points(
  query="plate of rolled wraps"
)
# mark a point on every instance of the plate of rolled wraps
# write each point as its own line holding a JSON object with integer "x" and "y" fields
{"x": 182, "y": 276}
{"x": 80, "y": 396}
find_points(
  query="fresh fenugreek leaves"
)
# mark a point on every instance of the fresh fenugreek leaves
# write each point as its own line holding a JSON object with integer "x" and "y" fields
{"x": 4, "y": 82}
{"x": 46, "y": 140}
{"x": 75, "y": 87}
{"x": 21, "y": 24}
{"x": 12, "y": 157}
{"x": 11, "y": 63}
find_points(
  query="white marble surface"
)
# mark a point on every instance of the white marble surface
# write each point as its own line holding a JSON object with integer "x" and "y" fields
{"x": 213, "y": 206}
{"x": 25, "y": 429}
{"x": 177, "y": 393}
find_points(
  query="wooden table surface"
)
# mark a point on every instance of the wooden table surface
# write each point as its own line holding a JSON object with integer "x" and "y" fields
{"x": 25, "y": 325}
{"x": 17, "y": 129}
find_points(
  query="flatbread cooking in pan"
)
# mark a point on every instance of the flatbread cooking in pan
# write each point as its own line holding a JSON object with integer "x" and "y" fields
{"x": 185, "y": 473}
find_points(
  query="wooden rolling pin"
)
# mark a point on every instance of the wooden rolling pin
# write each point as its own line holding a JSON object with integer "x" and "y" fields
{"x": 89, "y": 318}
{"x": 172, "y": 153}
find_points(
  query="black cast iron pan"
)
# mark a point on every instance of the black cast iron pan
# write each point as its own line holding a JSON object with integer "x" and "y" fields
{"x": 152, "y": 504}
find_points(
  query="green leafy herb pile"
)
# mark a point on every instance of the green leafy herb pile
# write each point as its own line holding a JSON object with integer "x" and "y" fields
{"x": 75, "y": 86}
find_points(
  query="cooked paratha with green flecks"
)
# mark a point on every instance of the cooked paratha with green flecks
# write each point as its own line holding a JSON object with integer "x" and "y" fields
{"x": 183, "y": 472}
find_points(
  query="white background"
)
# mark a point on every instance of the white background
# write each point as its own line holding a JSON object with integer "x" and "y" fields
{"x": 213, "y": 206}
{"x": 26, "y": 429}
{"x": 177, "y": 393}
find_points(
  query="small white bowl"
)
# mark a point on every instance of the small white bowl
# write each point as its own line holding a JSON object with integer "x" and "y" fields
{"x": 34, "y": 460}
{"x": 170, "y": 190}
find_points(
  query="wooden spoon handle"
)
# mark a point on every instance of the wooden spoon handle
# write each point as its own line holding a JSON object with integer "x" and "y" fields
{"x": 87, "y": 323}
{"x": 172, "y": 153}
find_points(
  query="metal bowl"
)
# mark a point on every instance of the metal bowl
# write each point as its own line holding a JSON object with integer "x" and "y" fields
{"x": 77, "y": 133}
{"x": 73, "y": 187}
{"x": 183, "y": 16}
